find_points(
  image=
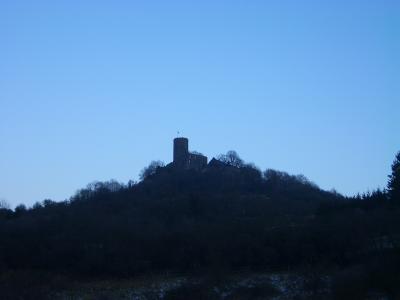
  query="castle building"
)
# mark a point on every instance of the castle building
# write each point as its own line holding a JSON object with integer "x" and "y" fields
{"x": 184, "y": 159}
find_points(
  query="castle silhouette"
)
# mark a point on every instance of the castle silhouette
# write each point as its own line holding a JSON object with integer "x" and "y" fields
{"x": 184, "y": 159}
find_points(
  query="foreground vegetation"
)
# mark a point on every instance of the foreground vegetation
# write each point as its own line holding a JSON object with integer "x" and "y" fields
{"x": 226, "y": 219}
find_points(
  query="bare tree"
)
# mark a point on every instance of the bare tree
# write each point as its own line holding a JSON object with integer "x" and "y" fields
{"x": 4, "y": 204}
{"x": 231, "y": 158}
{"x": 151, "y": 169}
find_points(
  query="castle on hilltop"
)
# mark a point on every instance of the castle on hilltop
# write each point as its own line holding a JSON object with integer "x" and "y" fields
{"x": 184, "y": 159}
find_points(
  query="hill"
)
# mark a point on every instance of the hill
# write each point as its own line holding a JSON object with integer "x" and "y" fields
{"x": 222, "y": 218}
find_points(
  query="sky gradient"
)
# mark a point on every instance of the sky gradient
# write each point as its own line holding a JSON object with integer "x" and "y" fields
{"x": 96, "y": 90}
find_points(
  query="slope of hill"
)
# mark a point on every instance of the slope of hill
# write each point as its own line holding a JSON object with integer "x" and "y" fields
{"x": 221, "y": 218}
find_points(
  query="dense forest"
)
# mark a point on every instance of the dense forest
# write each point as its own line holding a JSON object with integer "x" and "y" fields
{"x": 228, "y": 217}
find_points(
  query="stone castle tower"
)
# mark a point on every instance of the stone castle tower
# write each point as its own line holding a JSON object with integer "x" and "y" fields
{"x": 184, "y": 159}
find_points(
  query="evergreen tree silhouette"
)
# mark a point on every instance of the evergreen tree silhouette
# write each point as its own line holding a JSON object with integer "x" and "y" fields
{"x": 394, "y": 179}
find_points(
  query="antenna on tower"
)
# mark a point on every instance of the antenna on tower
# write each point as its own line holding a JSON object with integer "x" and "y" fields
{"x": 177, "y": 134}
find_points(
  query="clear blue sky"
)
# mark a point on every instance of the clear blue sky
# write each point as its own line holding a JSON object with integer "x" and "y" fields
{"x": 94, "y": 90}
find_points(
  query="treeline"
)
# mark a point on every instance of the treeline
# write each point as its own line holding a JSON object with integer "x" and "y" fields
{"x": 229, "y": 216}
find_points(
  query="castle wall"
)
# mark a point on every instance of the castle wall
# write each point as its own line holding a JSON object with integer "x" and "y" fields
{"x": 197, "y": 161}
{"x": 184, "y": 159}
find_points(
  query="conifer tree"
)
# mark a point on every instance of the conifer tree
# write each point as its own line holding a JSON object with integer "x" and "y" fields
{"x": 394, "y": 179}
